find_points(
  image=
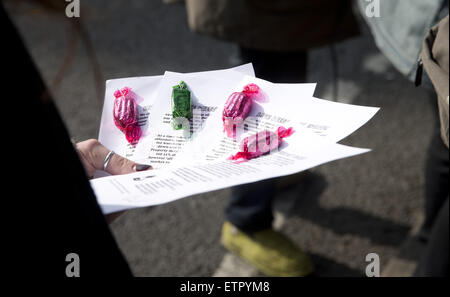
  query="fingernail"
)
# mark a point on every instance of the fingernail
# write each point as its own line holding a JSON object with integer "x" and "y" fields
{"x": 142, "y": 167}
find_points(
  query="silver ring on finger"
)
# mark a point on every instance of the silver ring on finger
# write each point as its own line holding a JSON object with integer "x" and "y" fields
{"x": 107, "y": 158}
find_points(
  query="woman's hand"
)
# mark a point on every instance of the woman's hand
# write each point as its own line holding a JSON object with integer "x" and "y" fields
{"x": 92, "y": 155}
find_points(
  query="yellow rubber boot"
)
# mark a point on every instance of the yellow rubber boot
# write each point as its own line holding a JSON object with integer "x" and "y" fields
{"x": 269, "y": 251}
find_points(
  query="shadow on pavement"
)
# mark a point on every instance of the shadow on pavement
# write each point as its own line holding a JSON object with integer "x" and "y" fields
{"x": 327, "y": 267}
{"x": 341, "y": 220}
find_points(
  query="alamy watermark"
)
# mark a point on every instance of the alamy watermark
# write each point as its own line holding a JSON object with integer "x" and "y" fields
{"x": 73, "y": 268}
{"x": 373, "y": 8}
{"x": 73, "y": 9}
{"x": 373, "y": 268}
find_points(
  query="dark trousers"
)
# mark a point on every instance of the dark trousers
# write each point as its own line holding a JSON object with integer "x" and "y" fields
{"x": 436, "y": 176}
{"x": 435, "y": 229}
{"x": 434, "y": 260}
{"x": 250, "y": 206}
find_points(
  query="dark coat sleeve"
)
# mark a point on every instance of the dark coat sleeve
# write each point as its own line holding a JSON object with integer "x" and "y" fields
{"x": 50, "y": 208}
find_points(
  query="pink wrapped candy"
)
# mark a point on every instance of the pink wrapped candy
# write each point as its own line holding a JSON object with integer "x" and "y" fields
{"x": 238, "y": 107}
{"x": 125, "y": 114}
{"x": 261, "y": 143}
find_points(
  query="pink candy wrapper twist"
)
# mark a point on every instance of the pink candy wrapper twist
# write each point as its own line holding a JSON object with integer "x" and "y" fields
{"x": 238, "y": 107}
{"x": 125, "y": 114}
{"x": 261, "y": 143}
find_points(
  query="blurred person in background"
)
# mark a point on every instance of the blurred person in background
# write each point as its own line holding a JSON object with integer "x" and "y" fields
{"x": 275, "y": 36}
{"x": 399, "y": 31}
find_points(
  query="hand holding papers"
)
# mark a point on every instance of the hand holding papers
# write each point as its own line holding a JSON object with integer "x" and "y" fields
{"x": 194, "y": 159}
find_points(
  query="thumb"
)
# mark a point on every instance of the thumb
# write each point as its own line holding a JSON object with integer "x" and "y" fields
{"x": 120, "y": 165}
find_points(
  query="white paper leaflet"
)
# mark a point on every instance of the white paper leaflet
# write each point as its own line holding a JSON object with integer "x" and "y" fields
{"x": 195, "y": 159}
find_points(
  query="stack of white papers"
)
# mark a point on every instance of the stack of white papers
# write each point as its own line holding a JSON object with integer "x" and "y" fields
{"x": 195, "y": 160}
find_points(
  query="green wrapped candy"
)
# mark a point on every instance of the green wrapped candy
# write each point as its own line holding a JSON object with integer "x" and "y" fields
{"x": 181, "y": 104}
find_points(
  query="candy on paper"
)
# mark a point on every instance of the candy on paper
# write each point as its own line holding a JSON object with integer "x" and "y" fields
{"x": 261, "y": 143}
{"x": 237, "y": 108}
{"x": 133, "y": 133}
{"x": 181, "y": 104}
{"x": 125, "y": 114}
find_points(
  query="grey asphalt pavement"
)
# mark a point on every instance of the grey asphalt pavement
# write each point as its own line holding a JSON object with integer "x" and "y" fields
{"x": 339, "y": 213}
